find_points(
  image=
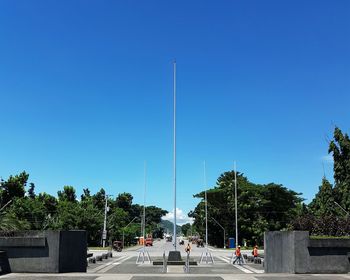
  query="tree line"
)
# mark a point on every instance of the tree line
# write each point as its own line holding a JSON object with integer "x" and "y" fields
{"x": 328, "y": 212}
{"x": 23, "y": 209}
{"x": 274, "y": 207}
{"x": 261, "y": 207}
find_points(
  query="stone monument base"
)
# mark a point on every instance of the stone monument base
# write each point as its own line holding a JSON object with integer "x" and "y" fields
{"x": 174, "y": 256}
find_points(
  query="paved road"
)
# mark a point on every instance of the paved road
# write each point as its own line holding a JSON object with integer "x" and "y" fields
{"x": 123, "y": 266}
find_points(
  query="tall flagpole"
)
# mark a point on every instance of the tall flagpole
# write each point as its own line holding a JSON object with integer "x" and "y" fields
{"x": 206, "y": 255}
{"x": 206, "y": 208}
{"x": 236, "y": 214}
{"x": 144, "y": 206}
{"x": 143, "y": 254}
{"x": 174, "y": 156}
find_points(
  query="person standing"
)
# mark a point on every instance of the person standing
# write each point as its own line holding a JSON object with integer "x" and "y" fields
{"x": 255, "y": 252}
{"x": 238, "y": 253}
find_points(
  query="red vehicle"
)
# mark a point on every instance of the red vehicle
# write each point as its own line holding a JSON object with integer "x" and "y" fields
{"x": 149, "y": 241}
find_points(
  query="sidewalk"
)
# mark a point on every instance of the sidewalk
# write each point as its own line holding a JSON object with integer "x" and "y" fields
{"x": 173, "y": 276}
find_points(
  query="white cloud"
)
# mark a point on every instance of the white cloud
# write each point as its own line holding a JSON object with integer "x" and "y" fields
{"x": 181, "y": 218}
{"x": 328, "y": 159}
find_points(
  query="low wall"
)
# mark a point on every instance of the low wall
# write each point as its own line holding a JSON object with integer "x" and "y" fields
{"x": 295, "y": 252}
{"x": 46, "y": 251}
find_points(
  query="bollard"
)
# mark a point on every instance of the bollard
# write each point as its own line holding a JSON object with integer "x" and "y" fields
{"x": 165, "y": 269}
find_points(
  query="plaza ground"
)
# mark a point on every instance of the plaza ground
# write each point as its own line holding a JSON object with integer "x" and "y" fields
{"x": 123, "y": 266}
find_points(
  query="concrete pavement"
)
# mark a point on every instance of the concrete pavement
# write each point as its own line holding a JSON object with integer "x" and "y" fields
{"x": 123, "y": 267}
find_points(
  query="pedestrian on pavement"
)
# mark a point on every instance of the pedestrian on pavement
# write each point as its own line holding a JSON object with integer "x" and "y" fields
{"x": 255, "y": 252}
{"x": 238, "y": 258}
{"x": 188, "y": 248}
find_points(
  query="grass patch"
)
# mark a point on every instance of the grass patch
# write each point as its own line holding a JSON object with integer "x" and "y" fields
{"x": 328, "y": 237}
{"x": 99, "y": 248}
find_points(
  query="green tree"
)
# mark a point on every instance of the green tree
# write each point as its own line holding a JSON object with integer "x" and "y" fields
{"x": 68, "y": 194}
{"x": 31, "y": 191}
{"x": 185, "y": 229}
{"x": 50, "y": 203}
{"x": 99, "y": 199}
{"x": 116, "y": 222}
{"x": 153, "y": 218}
{"x": 124, "y": 201}
{"x": 32, "y": 211}
{"x": 340, "y": 148}
{"x": 68, "y": 215}
{"x": 86, "y": 195}
{"x": 9, "y": 222}
{"x": 13, "y": 187}
{"x": 323, "y": 203}
{"x": 90, "y": 219}
{"x": 260, "y": 208}
{"x": 322, "y": 216}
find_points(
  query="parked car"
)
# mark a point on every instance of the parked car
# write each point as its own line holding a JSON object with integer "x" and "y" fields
{"x": 168, "y": 238}
{"x": 149, "y": 242}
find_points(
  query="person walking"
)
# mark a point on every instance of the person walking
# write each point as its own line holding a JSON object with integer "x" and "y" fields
{"x": 188, "y": 248}
{"x": 255, "y": 253}
{"x": 187, "y": 264}
{"x": 238, "y": 253}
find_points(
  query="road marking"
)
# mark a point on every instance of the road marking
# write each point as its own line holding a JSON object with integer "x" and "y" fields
{"x": 256, "y": 270}
{"x": 101, "y": 266}
{"x": 240, "y": 267}
{"x": 244, "y": 269}
{"x": 225, "y": 259}
{"x": 121, "y": 260}
{"x": 105, "y": 267}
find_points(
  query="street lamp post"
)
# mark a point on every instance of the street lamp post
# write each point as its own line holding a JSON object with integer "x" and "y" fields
{"x": 126, "y": 227}
{"x": 336, "y": 203}
{"x": 223, "y": 230}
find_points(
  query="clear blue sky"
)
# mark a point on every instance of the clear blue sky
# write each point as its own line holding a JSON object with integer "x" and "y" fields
{"x": 86, "y": 92}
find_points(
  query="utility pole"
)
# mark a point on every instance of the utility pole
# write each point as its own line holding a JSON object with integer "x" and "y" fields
{"x": 104, "y": 233}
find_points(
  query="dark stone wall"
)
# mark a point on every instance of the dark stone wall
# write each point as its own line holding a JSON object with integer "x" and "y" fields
{"x": 46, "y": 251}
{"x": 4, "y": 263}
{"x": 295, "y": 252}
{"x": 279, "y": 254}
{"x": 331, "y": 253}
{"x": 73, "y": 251}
